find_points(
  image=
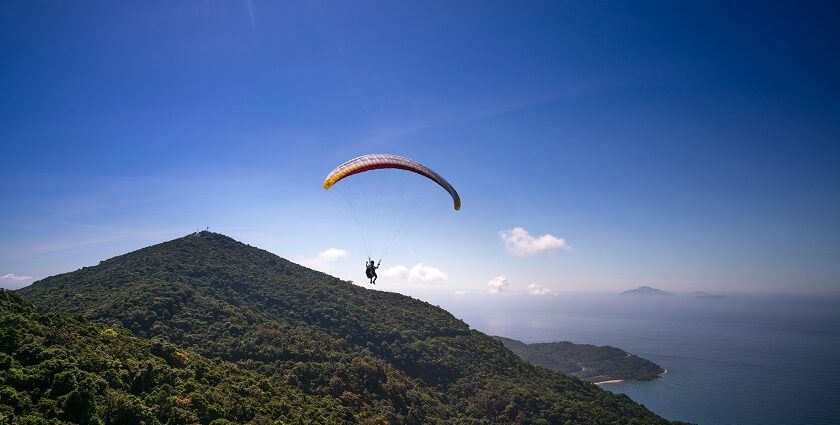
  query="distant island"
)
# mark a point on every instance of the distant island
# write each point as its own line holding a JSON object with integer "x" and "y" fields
{"x": 588, "y": 362}
{"x": 645, "y": 290}
{"x": 706, "y": 295}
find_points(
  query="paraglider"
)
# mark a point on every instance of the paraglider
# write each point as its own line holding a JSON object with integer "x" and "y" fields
{"x": 371, "y": 270}
{"x": 389, "y": 220}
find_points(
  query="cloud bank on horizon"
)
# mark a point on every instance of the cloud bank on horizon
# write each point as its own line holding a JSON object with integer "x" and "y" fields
{"x": 539, "y": 290}
{"x": 14, "y": 277}
{"x": 520, "y": 243}
{"x": 500, "y": 284}
{"x": 14, "y": 281}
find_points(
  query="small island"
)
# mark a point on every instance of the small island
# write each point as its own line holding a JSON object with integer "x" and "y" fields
{"x": 598, "y": 364}
{"x": 645, "y": 290}
{"x": 707, "y": 296}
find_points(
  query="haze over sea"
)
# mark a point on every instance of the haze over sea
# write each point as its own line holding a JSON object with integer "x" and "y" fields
{"x": 743, "y": 359}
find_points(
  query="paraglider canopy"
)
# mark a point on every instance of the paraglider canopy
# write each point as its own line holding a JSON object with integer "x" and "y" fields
{"x": 383, "y": 161}
{"x": 390, "y": 202}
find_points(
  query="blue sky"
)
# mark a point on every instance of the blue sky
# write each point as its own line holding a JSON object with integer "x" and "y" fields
{"x": 681, "y": 145}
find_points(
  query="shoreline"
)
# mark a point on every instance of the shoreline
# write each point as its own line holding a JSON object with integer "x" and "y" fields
{"x": 616, "y": 381}
{"x": 611, "y": 381}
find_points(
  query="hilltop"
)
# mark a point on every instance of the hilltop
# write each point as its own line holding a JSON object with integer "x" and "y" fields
{"x": 383, "y": 357}
{"x": 589, "y": 362}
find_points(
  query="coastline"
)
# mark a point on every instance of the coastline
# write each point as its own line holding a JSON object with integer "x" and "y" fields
{"x": 616, "y": 381}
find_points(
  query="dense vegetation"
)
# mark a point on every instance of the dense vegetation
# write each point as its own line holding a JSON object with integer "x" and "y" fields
{"x": 589, "y": 362}
{"x": 57, "y": 368}
{"x": 381, "y": 357}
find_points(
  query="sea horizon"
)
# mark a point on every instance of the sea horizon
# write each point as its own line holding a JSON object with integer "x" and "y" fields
{"x": 745, "y": 359}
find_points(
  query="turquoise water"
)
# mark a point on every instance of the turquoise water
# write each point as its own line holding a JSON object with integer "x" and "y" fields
{"x": 739, "y": 360}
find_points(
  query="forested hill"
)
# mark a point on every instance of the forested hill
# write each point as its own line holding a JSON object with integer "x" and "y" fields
{"x": 382, "y": 357}
{"x": 590, "y": 362}
{"x": 62, "y": 369}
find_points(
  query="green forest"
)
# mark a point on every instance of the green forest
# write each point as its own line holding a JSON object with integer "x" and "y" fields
{"x": 64, "y": 369}
{"x": 204, "y": 329}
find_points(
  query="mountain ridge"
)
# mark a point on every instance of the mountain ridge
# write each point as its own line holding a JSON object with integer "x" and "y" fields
{"x": 387, "y": 357}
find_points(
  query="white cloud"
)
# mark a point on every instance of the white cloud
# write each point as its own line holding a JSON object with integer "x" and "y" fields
{"x": 535, "y": 289}
{"x": 498, "y": 284}
{"x": 426, "y": 273}
{"x": 419, "y": 272}
{"x": 399, "y": 271}
{"x": 15, "y": 277}
{"x": 332, "y": 254}
{"x": 520, "y": 243}
{"x": 324, "y": 258}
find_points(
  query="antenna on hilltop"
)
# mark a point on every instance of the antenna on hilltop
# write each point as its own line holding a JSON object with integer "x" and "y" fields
{"x": 207, "y": 229}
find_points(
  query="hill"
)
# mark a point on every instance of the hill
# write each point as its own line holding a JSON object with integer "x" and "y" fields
{"x": 384, "y": 357}
{"x": 645, "y": 290}
{"x": 588, "y": 362}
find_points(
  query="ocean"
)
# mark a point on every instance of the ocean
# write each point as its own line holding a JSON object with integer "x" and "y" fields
{"x": 738, "y": 360}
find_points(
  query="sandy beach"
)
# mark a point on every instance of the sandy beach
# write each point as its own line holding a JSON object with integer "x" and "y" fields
{"x": 612, "y": 381}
